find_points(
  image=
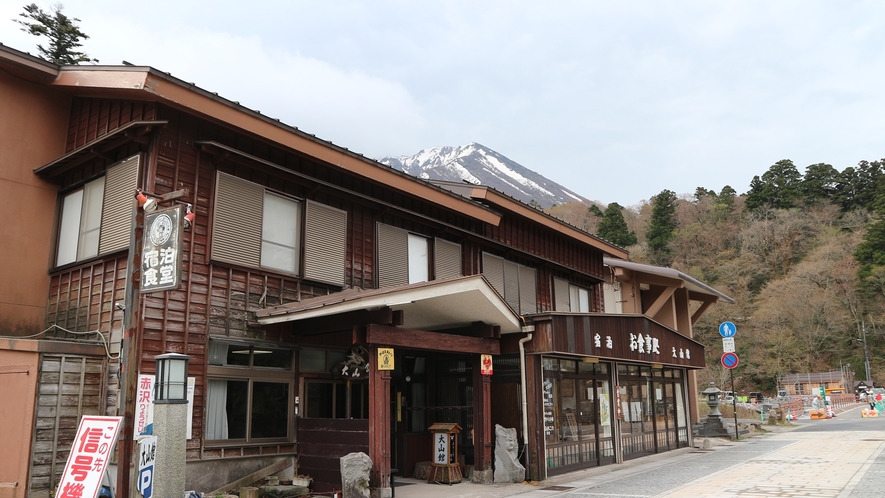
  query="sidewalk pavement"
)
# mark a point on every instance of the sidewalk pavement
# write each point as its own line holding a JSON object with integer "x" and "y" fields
{"x": 842, "y": 469}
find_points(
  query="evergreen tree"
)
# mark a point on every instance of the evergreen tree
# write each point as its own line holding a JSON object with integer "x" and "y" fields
{"x": 64, "y": 35}
{"x": 724, "y": 203}
{"x": 819, "y": 184}
{"x": 856, "y": 187}
{"x": 870, "y": 253}
{"x": 662, "y": 225}
{"x": 595, "y": 211}
{"x": 613, "y": 228}
{"x": 779, "y": 187}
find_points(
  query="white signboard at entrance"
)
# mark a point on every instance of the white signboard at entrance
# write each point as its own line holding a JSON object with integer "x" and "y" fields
{"x": 441, "y": 449}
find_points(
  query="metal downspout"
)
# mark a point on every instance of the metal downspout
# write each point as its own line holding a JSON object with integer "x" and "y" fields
{"x": 525, "y": 415}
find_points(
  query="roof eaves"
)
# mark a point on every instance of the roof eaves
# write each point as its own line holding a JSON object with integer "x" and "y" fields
{"x": 161, "y": 86}
{"x": 519, "y": 207}
{"x": 27, "y": 66}
{"x": 668, "y": 272}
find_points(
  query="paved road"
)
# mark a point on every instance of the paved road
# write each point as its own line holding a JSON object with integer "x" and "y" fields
{"x": 840, "y": 457}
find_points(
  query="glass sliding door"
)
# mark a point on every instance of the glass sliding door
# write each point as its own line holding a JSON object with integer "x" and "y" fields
{"x": 577, "y": 415}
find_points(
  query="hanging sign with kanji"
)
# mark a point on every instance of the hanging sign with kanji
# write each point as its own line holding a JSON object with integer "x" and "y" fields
{"x": 161, "y": 250}
{"x": 89, "y": 456}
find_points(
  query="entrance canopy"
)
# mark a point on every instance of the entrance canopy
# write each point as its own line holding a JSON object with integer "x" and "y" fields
{"x": 435, "y": 305}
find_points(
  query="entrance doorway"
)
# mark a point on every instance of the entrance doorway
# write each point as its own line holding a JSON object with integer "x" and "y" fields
{"x": 577, "y": 415}
{"x": 653, "y": 410}
{"x": 425, "y": 390}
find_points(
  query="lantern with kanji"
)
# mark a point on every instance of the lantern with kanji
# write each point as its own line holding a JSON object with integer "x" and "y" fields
{"x": 445, "y": 468}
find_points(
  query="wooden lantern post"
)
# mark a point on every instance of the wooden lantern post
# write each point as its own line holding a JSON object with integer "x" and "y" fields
{"x": 445, "y": 468}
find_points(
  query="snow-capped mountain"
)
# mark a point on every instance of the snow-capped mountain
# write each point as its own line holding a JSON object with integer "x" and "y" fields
{"x": 480, "y": 165}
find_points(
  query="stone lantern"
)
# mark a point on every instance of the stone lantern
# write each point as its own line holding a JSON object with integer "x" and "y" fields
{"x": 712, "y": 394}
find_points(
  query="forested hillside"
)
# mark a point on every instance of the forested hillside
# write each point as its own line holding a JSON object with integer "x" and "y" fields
{"x": 803, "y": 255}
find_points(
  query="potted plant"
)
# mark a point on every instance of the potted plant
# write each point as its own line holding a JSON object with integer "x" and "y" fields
{"x": 300, "y": 479}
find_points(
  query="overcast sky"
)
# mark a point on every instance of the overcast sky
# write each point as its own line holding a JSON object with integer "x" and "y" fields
{"x": 615, "y": 100}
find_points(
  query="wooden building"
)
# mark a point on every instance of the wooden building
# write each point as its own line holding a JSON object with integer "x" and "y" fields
{"x": 328, "y": 303}
{"x": 809, "y": 383}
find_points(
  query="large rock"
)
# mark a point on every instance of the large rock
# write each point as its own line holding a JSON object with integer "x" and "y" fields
{"x": 507, "y": 466}
{"x": 355, "y": 471}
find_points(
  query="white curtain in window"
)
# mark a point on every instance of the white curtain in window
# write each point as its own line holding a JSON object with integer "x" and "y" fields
{"x": 419, "y": 265}
{"x": 69, "y": 233}
{"x": 216, "y": 412}
{"x": 218, "y": 353}
{"x": 90, "y": 219}
{"x": 279, "y": 240}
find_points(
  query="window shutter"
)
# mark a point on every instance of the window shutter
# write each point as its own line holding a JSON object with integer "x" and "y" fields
{"x": 236, "y": 229}
{"x": 560, "y": 295}
{"x": 325, "y": 243}
{"x": 511, "y": 284}
{"x": 116, "y": 215}
{"x": 493, "y": 270}
{"x": 528, "y": 293}
{"x": 446, "y": 259}
{"x": 393, "y": 256}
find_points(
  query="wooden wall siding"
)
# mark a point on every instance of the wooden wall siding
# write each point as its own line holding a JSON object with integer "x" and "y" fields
{"x": 520, "y": 234}
{"x": 322, "y": 443}
{"x": 82, "y": 299}
{"x": 68, "y": 388}
{"x": 93, "y": 118}
{"x": 576, "y": 334}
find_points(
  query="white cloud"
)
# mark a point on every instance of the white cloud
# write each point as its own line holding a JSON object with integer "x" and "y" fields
{"x": 615, "y": 100}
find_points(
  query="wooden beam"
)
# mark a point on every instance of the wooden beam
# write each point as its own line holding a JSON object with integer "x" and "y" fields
{"x": 700, "y": 296}
{"x": 657, "y": 280}
{"x": 343, "y": 321}
{"x": 476, "y": 329}
{"x": 660, "y": 301}
{"x": 255, "y": 476}
{"x": 700, "y": 312}
{"x": 434, "y": 341}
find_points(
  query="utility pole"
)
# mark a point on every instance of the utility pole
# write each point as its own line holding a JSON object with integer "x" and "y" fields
{"x": 866, "y": 355}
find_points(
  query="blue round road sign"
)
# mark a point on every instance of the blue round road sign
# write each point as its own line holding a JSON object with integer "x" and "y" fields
{"x": 727, "y": 329}
{"x": 730, "y": 360}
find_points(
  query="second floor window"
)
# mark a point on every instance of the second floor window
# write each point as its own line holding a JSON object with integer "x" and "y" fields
{"x": 256, "y": 227}
{"x": 570, "y": 297}
{"x": 96, "y": 217}
{"x": 408, "y": 258}
{"x": 280, "y": 233}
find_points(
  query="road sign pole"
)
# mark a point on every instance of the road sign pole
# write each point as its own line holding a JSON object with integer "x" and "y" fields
{"x": 734, "y": 404}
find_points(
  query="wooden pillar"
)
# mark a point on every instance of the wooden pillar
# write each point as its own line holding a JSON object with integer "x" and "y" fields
{"x": 483, "y": 435}
{"x": 691, "y": 393}
{"x": 379, "y": 423}
{"x": 534, "y": 407}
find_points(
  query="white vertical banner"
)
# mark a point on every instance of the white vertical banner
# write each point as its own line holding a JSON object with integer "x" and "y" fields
{"x": 191, "y": 383}
{"x": 147, "y": 455}
{"x": 144, "y": 406}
